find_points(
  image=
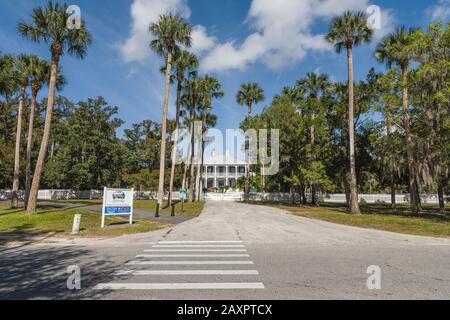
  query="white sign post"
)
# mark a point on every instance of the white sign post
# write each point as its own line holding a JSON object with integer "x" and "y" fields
{"x": 117, "y": 202}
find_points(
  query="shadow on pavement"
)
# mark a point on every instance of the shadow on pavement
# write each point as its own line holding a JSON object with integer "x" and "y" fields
{"x": 40, "y": 272}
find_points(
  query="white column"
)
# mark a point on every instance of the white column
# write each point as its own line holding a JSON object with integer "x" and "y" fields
{"x": 226, "y": 175}
{"x": 215, "y": 176}
{"x": 206, "y": 177}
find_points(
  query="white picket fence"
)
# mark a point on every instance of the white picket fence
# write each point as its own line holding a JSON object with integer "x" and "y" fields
{"x": 48, "y": 195}
{"x": 228, "y": 196}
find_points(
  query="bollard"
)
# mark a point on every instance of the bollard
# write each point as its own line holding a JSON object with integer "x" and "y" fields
{"x": 76, "y": 224}
{"x": 173, "y": 210}
{"x": 157, "y": 211}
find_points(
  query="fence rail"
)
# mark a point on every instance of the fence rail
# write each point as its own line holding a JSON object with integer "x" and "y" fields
{"x": 275, "y": 197}
{"x": 47, "y": 195}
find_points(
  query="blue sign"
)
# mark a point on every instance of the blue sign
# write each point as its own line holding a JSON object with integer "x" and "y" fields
{"x": 117, "y": 210}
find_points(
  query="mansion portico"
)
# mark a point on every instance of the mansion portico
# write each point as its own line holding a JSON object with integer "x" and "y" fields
{"x": 220, "y": 171}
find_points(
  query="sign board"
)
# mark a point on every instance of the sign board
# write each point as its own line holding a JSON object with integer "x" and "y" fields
{"x": 117, "y": 202}
{"x": 183, "y": 194}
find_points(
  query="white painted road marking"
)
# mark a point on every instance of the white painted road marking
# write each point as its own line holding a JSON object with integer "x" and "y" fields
{"x": 197, "y": 242}
{"x": 187, "y": 262}
{"x": 185, "y": 272}
{"x": 193, "y": 256}
{"x": 179, "y": 286}
{"x": 200, "y": 246}
{"x": 196, "y": 250}
{"x": 193, "y": 252}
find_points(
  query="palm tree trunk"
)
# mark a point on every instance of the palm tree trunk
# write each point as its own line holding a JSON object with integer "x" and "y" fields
{"x": 186, "y": 165}
{"x": 313, "y": 158}
{"x": 202, "y": 157}
{"x": 354, "y": 206}
{"x": 29, "y": 147}
{"x": 409, "y": 147}
{"x": 247, "y": 164}
{"x": 15, "y": 188}
{"x": 174, "y": 150}
{"x": 392, "y": 178}
{"x": 32, "y": 201}
{"x": 162, "y": 163}
{"x": 191, "y": 164}
{"x": 197, "y": 178}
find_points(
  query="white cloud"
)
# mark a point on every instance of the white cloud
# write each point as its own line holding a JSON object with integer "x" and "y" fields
{"x": 144, "y": 12}
{"x": 201, "y": 42}
{"x": 441, "y": 11}
{"x": 283, "y": 33}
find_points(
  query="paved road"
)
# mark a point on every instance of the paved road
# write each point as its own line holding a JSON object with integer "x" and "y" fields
{"x": 235, "y": 251}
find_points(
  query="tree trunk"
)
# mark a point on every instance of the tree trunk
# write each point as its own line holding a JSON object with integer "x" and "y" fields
{"x": 314, "y": 199}
{"x": 191, "y": 165}
{"x": 354, "y": 206}
{"x": 29, "y": 147}
{"x": 199, "y": 171}
{"x": 162, "y": 164}
{"x": 247, "y": 164}
{"x": 392, "y": 178}
{"x": 186, "y": 165}
{"x": 32, "y": 201}
{"x": 202, "y": 155}
{"x": 174, "y": 150}
{"x": 409, "y": 146}
{"x": 441, "y": 195}
{"x": 15, "y": 188}
{"x": 303, "y": 194}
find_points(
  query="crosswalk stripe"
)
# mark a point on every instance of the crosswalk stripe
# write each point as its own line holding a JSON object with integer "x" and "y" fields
{"x": 197, "y": 242}
{"x": 193, "y": 256}
{"x": 185, "y": 272}
{"x": 188, "y": 262}
{"x": 179, "y": 286}
{"x": 196, "y": 250}
{"x": 199, "y": 246}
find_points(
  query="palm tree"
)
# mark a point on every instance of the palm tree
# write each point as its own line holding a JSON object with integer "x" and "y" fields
{"x": 184, "y": 61}
{"x": 210, "y": 89}
{"x": 169, "y": 32}
{"x": 314, "y": 86}
{"x": 23, "y": 74}
{"x": 249, "y": 94}
{"x": 40, "y": 75}
{"x": 50, "y": 26}
{"x": 348, "y": 31}
{"x": 395, "y": 48}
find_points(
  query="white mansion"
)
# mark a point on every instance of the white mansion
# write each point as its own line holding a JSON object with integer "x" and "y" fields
{"x": 220, "y": 171}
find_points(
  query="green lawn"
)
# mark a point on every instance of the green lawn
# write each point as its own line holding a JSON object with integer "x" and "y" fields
{"x": 190, "y": 209}
{"x": 378, "y": 216}
{"x": 59, "y": 222}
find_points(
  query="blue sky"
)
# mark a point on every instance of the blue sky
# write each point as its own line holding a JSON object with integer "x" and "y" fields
{"x": 272, "y": 42}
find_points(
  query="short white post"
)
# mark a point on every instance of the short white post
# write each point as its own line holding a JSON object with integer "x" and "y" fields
{"x": 103, "y": 207}
{"x": 132, "y": 205}
{"x": 76, "y": 224}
